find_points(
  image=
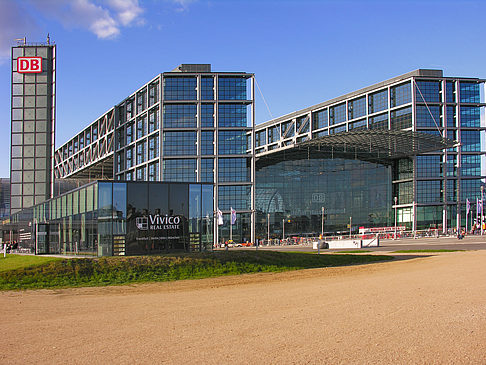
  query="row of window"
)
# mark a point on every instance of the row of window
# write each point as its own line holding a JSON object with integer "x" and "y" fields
{"x": 431, "y": 92}
{"x": 432, "y": 166}
{"x": 185, "y": 88}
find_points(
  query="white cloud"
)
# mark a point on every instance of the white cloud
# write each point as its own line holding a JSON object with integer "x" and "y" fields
{"x": 183, "y": 4}
{"x": 105, "y": 19}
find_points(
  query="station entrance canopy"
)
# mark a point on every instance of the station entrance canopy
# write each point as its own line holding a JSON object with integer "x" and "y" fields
{"x": 378, "y": 146}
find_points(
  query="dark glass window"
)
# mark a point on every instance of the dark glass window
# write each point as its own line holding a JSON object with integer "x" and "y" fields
{"x": 429, "y": 116}
{"x": 273, "y": 134}
{"x": 400, "y": 94}
{"x": 232, "y": 115}
{"x": 336, "y": 130}
{"x": 451, "y": 190}
{"x": 180, "y": 88}
{"x": 153, "y": 169}
{"x": 153, "y": 149}
{"x": 129, "y": 133}
{"x": 141, "y": 147}
{"x": 319, "y": 119}
{"x": 469, "y": 92}
{"x": 129, "y": 157}
{"x": 288, "y": 129}
{"x": 357, "y": 108}
{"x": 232, "y": 142}
{"x": 337, "y": 114}
{"x": 450, "y": 92}
{"x": 429, "y": 191}
{"x": 429, "y": 166}
{"x": 141, "y": 123}
{"x": 379, "y": 122}
{"x": 207, "y": 167}
{"x": 234, "y": 170}
{"x": 141, "y": 173}
{"x": 153, "y": 92}
{"x": 378, "y": 101}
{"x": 358, "y": 125}
{"x": 451, "y": 165}
{"x": 470, "y": 189}
{"x": 451, "y": 116}
{"x": 470, "y": 141}
{"x": 180, "y": 143}
{"x": 401, "y": 119}
{"x": 153, "y": 120}
{"x": 179, "y": 116}
{"x": 207, "y": 143}
{"x": 260, "y": 138}
{"x": 236, "y": 197}
{"x": 141, "y": 101}
{"x": 182, "y": 170}
{"x": 207, "y": 115}
{"x": 207, "y": 88}
{"x": 232, "y": 88}
{"x": 470, "y": 116}
{"x": 427, "y": 91}
{"x": 471, "y": 165}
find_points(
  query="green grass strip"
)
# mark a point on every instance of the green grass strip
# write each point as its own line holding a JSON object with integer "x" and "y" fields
{"x": 12, "y": 262}
{"x": 137, "y": 269}
{"x": 419, "y": 251}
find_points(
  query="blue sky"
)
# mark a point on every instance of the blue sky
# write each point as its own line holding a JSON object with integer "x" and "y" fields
{"x": 302, "y": 52}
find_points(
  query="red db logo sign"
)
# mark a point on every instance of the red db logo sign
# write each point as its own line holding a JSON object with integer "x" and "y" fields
{"x": 29, "y": 65}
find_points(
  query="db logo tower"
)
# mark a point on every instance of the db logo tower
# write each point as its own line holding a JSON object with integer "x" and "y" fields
{"x": 29, "y": 65}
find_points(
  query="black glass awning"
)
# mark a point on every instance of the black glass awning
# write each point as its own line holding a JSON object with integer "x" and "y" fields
{"x": 380, "y": 146}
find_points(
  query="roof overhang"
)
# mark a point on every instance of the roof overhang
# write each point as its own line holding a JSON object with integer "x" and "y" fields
{"x": 378, "y": 146}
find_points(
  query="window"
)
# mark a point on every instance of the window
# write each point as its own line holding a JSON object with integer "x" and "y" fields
{"x": 337, "y": 114}
{"x": 207, "y": 143}
{"x": 357, "y": 108}
{"x": 319, "y": 119}
{"x": 260, "y": 138}
{"x": 427, "y": 91}
{"x": 273, "y": 134}
{"x": 180, "y": 116}
{"x": 129, "y": 157}
{"x": 207, "y": 115}
{"x": 180, "y": 88}
{"x": 469, "y": 92}
{"x": 302, "y": 124}
{"x": 141, "y": 101}
{"x": 141, "y": 122}
{"x": 207, "y": 170}
{"x": 470, "y": 141}
{"x": 401, "y": 119}
{"x": 471, "y": 165}
{"x": 141, "y": 152}
{"x": 470, "y": 189}
{"x": 234, "y": 170}
{"x": 336, "y": 130}
{"x": 153, "y": 120}
{"x": 179, "y": 143}
{"x": 450, "y": 92}
{"x": 288, "y": 129}
{"x": 129, "y": 133}
{"x": 379, "y": 122}
{"x": 470, "y": 116}
{"x": 451, "y": 116}
{"x": 429, "y": 191}
{"x": 232, "y": 88}
{"x": 153, "y": 143}
{"x": 451, "y": 166}
{"x": 153, "y": 94}
{"x": 232, "y": 142}
{"x": 207, "y": 88}
{"x": 451, "y": 190}
{"x": 429, "y": 116}
{"x": 182, "y": 170}
{"x": 153, "y": 171}
{"x": 429, "y": 166}
{"x": 358, "y": 125}
{"x": 378, "y": 101}
{"x": 232, "y": 115}
{"x": 236, "y": 197}
{"x": 141, "y": 173}
{"x": 400, "y": 95}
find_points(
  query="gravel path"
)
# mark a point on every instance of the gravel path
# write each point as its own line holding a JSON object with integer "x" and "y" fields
{"x": 424, "y": 310}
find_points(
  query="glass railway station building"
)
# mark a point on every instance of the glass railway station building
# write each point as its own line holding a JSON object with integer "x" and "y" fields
{"x": 186, "y": 144}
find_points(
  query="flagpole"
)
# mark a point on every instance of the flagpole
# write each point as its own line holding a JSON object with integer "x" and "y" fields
{"x": 482, "y": 209}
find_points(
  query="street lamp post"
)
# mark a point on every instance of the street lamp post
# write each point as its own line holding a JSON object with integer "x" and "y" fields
{"x": 268, "y": 228}
{"x": 350, "y": 225}
{"x": 283, "y": 229}
{"x": 322, "y": 225}
{"x": 395, "y": 199}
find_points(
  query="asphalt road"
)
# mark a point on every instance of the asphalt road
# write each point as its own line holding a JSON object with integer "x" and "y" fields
{"x": 387, "y": 245}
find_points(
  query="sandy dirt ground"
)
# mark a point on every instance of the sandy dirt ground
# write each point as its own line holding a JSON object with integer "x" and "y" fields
{"x": 426, "y": 310}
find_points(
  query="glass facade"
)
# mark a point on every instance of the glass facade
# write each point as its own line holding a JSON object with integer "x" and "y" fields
{"x": 345, "y": 188}
{"x": 109, "y": 218}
